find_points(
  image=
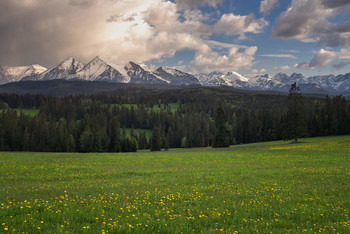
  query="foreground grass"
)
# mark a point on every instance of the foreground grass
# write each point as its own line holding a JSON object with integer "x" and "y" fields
{"x": 267, "y": 187}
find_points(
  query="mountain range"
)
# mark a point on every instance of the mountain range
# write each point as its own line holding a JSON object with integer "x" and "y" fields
{"x": 99, "y": 70}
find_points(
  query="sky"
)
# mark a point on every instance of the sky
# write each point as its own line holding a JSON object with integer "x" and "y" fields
{"x": 251, "y": 37}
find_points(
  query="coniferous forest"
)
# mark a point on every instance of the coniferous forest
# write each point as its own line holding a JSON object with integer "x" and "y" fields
{"x": 107, "y": 122}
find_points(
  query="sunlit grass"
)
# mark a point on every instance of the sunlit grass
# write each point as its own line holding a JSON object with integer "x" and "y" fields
{"x": 273, "y": 187}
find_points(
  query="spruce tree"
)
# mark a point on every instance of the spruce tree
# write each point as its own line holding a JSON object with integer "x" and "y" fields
{"x": 222, "y": 138}
{"x": 155, "y": 140}
{"x": 295, "y": 125}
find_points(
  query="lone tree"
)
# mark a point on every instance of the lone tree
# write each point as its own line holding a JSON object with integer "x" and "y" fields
{"x": 295, "y": 125}
{"x": 155, "y": 140}
{"x": 221, "y": 138}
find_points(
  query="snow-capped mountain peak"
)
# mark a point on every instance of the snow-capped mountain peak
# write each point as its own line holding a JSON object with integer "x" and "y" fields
{"x": 71, "y": 65}
{"x": 175, "y": 77}
{"x": 93, "y": 69}
{"x": 99, "y": 70}
{"x": 63, "y": 71}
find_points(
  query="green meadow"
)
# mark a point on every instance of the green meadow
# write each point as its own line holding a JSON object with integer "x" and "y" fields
{"x": 273, "y": 187}
{"x": 29, "y": 112}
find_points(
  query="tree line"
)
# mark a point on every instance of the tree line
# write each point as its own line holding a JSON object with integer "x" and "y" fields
{"x": 98, "y": 123}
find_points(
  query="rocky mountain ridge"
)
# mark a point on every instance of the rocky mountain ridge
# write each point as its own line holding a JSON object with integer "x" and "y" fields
{"x": 99, "y": 70}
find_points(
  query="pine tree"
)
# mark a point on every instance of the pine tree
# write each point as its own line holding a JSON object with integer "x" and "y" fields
{"x": 166, "y": 144}
{"x": 86, "y": 140}
{"x": 114, "y": 135}
{"x": 155, "y": 140}
{"x": 222, "y": 138}
{"x": 295, "y": 125}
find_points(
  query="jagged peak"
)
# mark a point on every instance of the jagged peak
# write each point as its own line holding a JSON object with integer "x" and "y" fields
{"x": 38, "y": 66}
{"x": 97, "y": 59}
{"x": 132, "y": 65}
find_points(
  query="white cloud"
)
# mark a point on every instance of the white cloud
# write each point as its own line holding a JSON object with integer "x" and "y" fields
{"x": 267, "y": 5}
{"x": 344, "y": 53}
{"x": 235, "y": 59}
{"x": 282, "y": 68}
{"x": 321, "y": 59}
{"x": 279, "y": 56}
{"x": 262, "y": 70}
{"x": 231, "y": 24}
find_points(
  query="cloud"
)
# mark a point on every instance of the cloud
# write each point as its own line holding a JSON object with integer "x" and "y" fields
{"x": 90, "y": 3}
{"x": 321, "y": 59}
{"x": 291, "y": 51}
{"x": 267, "y": 5}
{"x": 309, "y": 20}
{"x": 235, "y": 59}
{"x": 344, "y": 53}
{"x": 185, "y": 4}
{"x": 335, "y": 3}
{"x": 262, "y": 70}
{"x": 231, "y": 24}
{"x": 279, "y": 56}
{"x": 122, "y": 18}
{"x": 282, "y": 68}
{"x": 49, "y": 31}
{"x": 340, "y": 65}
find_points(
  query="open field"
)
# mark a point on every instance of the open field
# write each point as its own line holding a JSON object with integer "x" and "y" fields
{"x": 267, "y": 187}
{"x": 29, "y": 112}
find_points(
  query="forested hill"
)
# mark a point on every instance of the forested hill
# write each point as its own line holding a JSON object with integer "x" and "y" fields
{"x": 74, "y": 87}
{"x": 122, "y": 119}
{"x": 69, "y": 87}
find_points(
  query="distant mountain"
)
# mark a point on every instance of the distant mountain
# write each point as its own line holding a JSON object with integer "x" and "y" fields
{"x": 232, "y": 79}
{"x": 15, "y": 74}
{"x": 63, "y": 71}
{"x": 139, "y": 75}
{"x": 175, "y": 77}
{"x": 99, "y": 70}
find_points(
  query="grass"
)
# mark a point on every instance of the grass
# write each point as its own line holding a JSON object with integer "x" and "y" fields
{"x": 266, "y": 187}
{"x": 29, "y": 112}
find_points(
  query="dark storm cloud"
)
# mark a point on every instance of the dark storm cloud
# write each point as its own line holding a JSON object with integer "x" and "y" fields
{"x": 83, "y": 3}
{"x": 335, "y": 3}
{"x": 340, "y": 65}
{"x": 90, "y": 3}
{"x": 121, "y": 18}
{"x": 47, "y": 31}
{"x": 183, "y": 4}
{"x": 309, "y": 19}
